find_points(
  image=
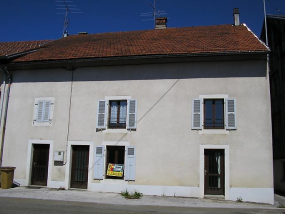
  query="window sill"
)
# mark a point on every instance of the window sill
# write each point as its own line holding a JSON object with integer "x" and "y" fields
{"x": 214, "y": 131}
{"x": 113, "y": 181}
{"x": 42, "y": 123}
{"x": 116, "y": 131}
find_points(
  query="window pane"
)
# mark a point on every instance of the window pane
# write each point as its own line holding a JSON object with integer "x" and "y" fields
{"x": 114, "y": 112}
{"x": 208, "y": 113}
{"x": 219, "y": 113}
{"x": 123, "y": 111}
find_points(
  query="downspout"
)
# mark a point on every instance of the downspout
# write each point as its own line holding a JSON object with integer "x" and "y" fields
{"x": 3, "y": 125}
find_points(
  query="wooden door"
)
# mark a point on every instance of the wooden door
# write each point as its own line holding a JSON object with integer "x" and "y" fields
{"x": 214, "y": 172}
{"x": 40, "y": 164}
{"x": 79, "y": 168}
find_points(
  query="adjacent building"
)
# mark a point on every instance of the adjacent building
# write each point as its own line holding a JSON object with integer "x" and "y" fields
{"x": 276, "y": 42}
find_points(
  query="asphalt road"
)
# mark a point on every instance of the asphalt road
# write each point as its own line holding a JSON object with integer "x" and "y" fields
{"x": 31, "y": 206}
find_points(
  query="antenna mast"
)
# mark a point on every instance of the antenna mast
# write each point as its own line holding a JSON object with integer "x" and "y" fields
{"x": 155, "y": 12}
{"x": 68, "y": 9}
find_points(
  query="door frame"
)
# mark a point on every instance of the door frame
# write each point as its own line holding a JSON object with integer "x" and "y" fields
{"x": 227, "y": 166}
{"x": 69, "y": 162}
{"x": 30, "y": 158}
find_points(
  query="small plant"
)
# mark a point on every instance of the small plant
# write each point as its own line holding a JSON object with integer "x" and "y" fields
{"x": 126, "y": 194}
{"x": 281, "y": 206}
{"x": 239, "y": 199}
{"x": 134, "y": 195}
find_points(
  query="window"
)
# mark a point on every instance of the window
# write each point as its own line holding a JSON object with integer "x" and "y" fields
{"x": 115, "y": 157}
{"x": 116, "y": 114}
{"x": 43, "y": 111}
{"x": 120, "y": 158}
{"x": 213, "y": 113}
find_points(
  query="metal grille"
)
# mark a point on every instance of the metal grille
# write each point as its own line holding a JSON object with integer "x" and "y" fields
{"x": 40, "y": 164}
{"x": 79, "y": 174}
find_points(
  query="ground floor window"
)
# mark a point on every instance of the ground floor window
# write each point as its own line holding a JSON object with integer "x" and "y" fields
{"x": 115, "y": 161}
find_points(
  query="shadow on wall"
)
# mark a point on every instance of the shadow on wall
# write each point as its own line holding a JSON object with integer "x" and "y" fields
{"x": 193, "y": 70}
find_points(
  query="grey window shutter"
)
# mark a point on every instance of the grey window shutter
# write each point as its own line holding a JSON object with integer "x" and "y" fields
{"x": 197, "y": 114}
{"x": 46, "y": 111}
{"x": 130, "y": 167}
{"x": 101, "y": 114}
{"x": 132, "y": 114}
{"x": 99, "y": 163}
{"x": 40, "y": 111}
{"x": 231, "y": 114}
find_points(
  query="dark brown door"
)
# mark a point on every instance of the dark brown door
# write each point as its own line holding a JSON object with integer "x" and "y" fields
{"x": 79, "y": 169}
{"x": 214, "y": 172}
{"x": 40, "y": 164}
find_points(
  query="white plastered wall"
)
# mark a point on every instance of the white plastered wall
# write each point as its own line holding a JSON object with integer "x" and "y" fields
{"x": 167, "y": 150}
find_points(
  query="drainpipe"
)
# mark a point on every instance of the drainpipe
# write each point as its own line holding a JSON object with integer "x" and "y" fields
{"x": 3, "y": 114}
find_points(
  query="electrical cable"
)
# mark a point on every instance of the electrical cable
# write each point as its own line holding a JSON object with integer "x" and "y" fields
{"x": 279, "y": 11}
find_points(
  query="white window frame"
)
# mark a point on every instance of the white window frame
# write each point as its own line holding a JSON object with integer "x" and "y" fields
{"x": 106, "y": 129}
{"x": 43, "y": 123}
{"x": 127, "y": 145}
{"x": 213, "y": 131}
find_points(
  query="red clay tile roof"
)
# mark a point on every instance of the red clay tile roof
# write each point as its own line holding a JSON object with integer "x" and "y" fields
{"x": 8, "y": 48}
{"x": 170, "y": 41}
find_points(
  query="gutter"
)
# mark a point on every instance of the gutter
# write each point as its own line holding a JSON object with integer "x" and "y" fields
{"x": 3, "y": 114}
{"x": 119, "y": 60}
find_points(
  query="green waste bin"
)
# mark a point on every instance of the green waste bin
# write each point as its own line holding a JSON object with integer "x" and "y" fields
{"x": 7, "y": 177}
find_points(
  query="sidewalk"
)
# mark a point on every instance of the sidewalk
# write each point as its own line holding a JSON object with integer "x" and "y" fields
{"x": 113, "y": 198}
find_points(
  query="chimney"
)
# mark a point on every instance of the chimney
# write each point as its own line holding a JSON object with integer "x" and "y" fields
{"x": 65, "y": 34}
{"x": 160, "y": 23}
{"x": 236, "y": 17}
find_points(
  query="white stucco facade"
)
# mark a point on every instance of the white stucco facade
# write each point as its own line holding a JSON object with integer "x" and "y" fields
{"x": 169, "y": 158}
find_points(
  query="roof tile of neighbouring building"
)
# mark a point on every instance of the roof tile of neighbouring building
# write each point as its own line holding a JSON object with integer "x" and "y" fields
{"x": 8, "y": 48}
{"x": 170, "y": 41}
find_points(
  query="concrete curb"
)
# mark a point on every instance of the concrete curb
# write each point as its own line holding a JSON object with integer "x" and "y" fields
{"x": 114, "y": 198}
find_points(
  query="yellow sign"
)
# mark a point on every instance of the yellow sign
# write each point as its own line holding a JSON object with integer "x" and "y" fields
{"x": 115, "y": 170}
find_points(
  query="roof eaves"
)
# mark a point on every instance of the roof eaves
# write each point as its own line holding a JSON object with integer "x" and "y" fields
{"x": 156, "y": 56}
{"x": 276, "y": 17}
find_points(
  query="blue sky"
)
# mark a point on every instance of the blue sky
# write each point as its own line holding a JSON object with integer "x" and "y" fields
{"x": 25, "y": 20}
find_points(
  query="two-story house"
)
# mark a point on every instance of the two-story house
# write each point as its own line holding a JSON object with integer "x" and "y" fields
{"x": 170, "y": 111}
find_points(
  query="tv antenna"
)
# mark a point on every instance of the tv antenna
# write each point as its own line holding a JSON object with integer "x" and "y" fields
{"x": 69, "y": 8}
{"x": 154, "y": 12}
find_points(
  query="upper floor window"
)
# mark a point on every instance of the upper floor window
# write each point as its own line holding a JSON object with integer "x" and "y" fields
{"x": 213, "y": 113}
{"x": 116, "y": 114}
{"x": 43, "y": 111}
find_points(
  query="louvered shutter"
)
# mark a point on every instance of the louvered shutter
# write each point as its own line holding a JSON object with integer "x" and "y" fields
{"x": 101, "y": 114}
{"x": 132, "y": 114}
{"x": 231, "y": 114}
{"x": 46, "y": 111}
{"x": 197, "y": 114}
{"x": 40, "y": 111}
{"x": 99, "y": 163}
{"x": 130, "y": 167}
